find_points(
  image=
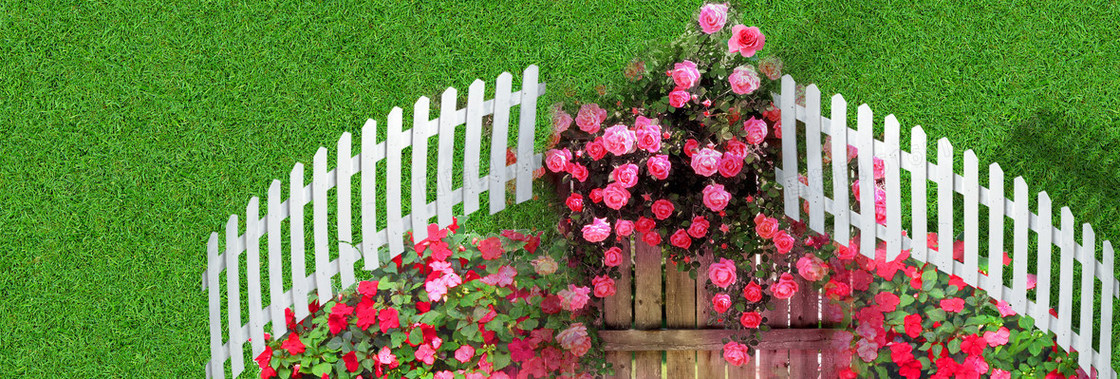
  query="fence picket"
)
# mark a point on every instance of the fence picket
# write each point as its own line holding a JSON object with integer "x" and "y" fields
{"x": 813, "y": 154}
{"x": 1088, "y": 258}
{"x": 918, "y": 204}
{"x": 395, "y": 146}
{"x": 943, "y": 258}
{"x": 1045, "y": 239}
{"x": 369, "y": 196}
{"x": 233, "y": 298}
{"x": 526, "y": 134}
{"x": 421, "y": 122}
{"x": 894, "y": 187}
{"x": 1021, "y": 215}
{"x": 445, "y": 166}
{"x": 995, "y": 232}
{"x": 216, "y": 369}
{"x": 971, "y": 223}
{"x": 1104, "y": 355}
{"x": 319, "y": 225}
{"x": 299, "y": 270}
{"x": 1065, "y": 287}
{"x": 343, "y": 170}
{"x": 867, "y": 188}
{"x": 647, "y": 303}
{"x": 275, "y": 261}
{"x": 253, "y": 275}
{"x": 472, "y": 147}
{"x": 840, "y": 209}
{"x": 498, "y": 141}
{"x": 790, "y": 186}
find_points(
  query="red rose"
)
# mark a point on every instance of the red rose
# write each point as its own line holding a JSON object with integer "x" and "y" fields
{"x": 913, "y": 325}
{"x": 615, "y": 196}
{"x": 578, "y": 171}
{"x": 721, "y": 302}
{"x": 783, "y": 241}
{"x": 604, "y": 286}
{"x": 750, "y": 320}
{"x": 551, "y": 304}
{"x": 596, "y": 195}
{"x": 644, "y": 225}
{"x": 736, "y": 353}
{"x": 680, "y": 239}
{"x": 730, "y": 164}
{"x": 662, "y": 209}
{"x": 690, "y": 147}
{"x": 737, "y": 148}
{"x": 651, "y": 238}
{"x": 837, "y": 290}
{"x": 612, "y": 257}
{"x": 767, "y": 227}
{"x": 575, "y": 202}
{"x": 722, "y": 273}
{"x": 699, "y": 227}
{"x": 752, "y": 292}
{"x": 624, "y": 228}
{"x": 595, "y": 149}
{"x": 785, "y": 288}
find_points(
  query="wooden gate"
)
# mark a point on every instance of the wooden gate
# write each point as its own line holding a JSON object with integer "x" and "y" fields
{"x": 662, "y": 324}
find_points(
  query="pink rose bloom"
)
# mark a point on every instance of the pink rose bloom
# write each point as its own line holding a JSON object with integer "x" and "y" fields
{"x": 597, "y": 231}
{"x": 879, "y": 168}
{"x": 544, "y": 265}
{"x": 426, "y": 354}
{"x": 680, "y": 239}
{"x": 783, "y": 241}
{"x": 573, "y": 298}
{"x": 626, "y": 175}
{"x": 721, "y": 303}
{"x": 737, "y": 148}
{"x": 557, "y": 160}
{"x": 649, "y": 138}
{"x": 756, "y": 130}
{"x": 699, "y": 227}
{"x": 767, "y": 228}
{"x": 715, "y": 198}
{"x": 730, "y": 165}
{"x": 612, "y": 257}
{"x": 624, "y": 228}
{"x": 811, "y": 268}
{"x": 997, "y": 338}
{"x": 575, "y": 339}
{"x": 561, "y": 121}
{"x": 464, "y": 353}
{"x": 678, "y": 98}
{"x": 745, "y": 40}
{"x": 589, "y": 118}
{"x": 771, "y": 67}
{"x": 595, "y": 149}
{"x": 604, "y": 286}
{"x": 706, "y": 161}
{"x": 616, "y": 197}
{"x": 750, "y": 320}
{"x": 785, "y": 288}
{"x": 685, "y": 75}
{"x": 712, "y": 17}
{"x": 662, "y": 209}
{"x": 658, "y": 166}
{"x": 736, "y": 354}
{"x": 744, "y": 80}
{"x": 619, "y": 140}
{"x": 722, "y": 273}
{"x": 752, "y": 292}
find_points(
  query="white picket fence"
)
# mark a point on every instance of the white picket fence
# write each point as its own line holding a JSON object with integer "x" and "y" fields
{"x": 339, "y": 178}
{"x": 942, "y": 174}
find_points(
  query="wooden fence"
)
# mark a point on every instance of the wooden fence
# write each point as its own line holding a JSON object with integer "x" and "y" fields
{"x": 949, "y": 183}
{"x": 248, "y": 240}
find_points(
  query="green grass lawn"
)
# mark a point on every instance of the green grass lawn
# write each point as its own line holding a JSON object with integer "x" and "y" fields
{"x": 130, "y": 131}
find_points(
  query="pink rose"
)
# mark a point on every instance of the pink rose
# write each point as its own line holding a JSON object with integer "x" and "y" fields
{"x": 737, "y": 148}
{"x": 752, "y": 292}
{"x": 658, "y": 166}
{"x": 678, "y": 98}
{"x": 785, "y": 288}
{"x": 680, "y": 239}
{"x": 649, "y": 138}
{"x": 736, "y": 354}
{"x": 756, "y": 130}
{"x": 626, "y": 175}
{"x": 721, "y": 303}
{"x": 589, "y": 118}
{"x": 615, "y": 196}
{"x": 662, "y": 209}
{"x": 722, "y": 273}
{"x": 595, "y": 149}
{"x": 685, "y": 75}
{"x": 712, "y": 17}
{"x": 730, "y": 165}
{"x": 561, "y": 121}
{"x": 715, "y": 198}
{"x": 767, "y": 227}
{"x": 699, "y": 227}
{"x": 750, "y": 320}
{"x": 575, "y": 339}
{"x": 771, "y": 67}
{"x": 783, "y": 241}
{"x": 811, "y": 268}
{"x": 557, "y": 160}
{"x": 578, "y": 171}
{"x": 744, "y": 80}
{"x": 612, "y": 257}
{"x": 604, "y": 286}
{"x": 706, "y": 161}
{"x": 597, "y": 231}
{"x": 879, "y": 168}
{"x": 624, "y": 228}
{"x": 573, "y": 298}
{"x": 651, "y": 238}
{"x": 745, "y": 40}
{"x": 619, "y": 140}
{"x": 464, "y": 353}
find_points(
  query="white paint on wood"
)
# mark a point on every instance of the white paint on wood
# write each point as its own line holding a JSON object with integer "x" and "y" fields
{"x": 994, "y": 284}
{"x": 216, "y": 369}
{"x": 233, "y": 298}
{"x": 393, "y": 183}
{"x": 1105, "y": 352}
{"x": 1088, "y": 259}
{"x": 473, "y": 147}
{"x": 813, "y": 155}
{"x": 789, "y": 150}
{"x": 275, "y": 261}
{"x": 894, "y": 187}
{"x": 1065, "y": 286}
{"x": 866, "y": 180}
{"x": 918, "y": 204}
{"x": 841, "y": 209}
{"x": 971, "y": 222}
{"x": 343, "y": 171}
{"x": 253, "y": 275}
{"x": 943, "y": 258}
{"x": 526, "y": 133}
{"x": 1045, "y": 240}
{"x": 420, "y": 125}
{"x": 498, "y": 141}
{"x": 369, "y": 195}
{"x": 445, "y": 164}
{"x": 299, "y": 270}
{"x": 319, "y": 224}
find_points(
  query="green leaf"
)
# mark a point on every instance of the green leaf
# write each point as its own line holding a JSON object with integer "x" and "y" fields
{"x": 320, "y": 369}
{"x": 396, "y": 338}
{"x": 416, "y": 335}
{"x": 1026, "y": 322}
{"x": 954, "y": 346}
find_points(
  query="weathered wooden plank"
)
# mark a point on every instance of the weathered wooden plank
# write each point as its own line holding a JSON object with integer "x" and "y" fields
{"x": 790, "y": 186}
{"x": 680, "y": 312}
{"x": 1045, "y": 242}
{"x": 813, "y": 156}
{"x": 712, "y": 339}
{"x": 618, "y": 311}
{"x": 216, "y": 369}
{"x": 526, "y": 133}
{"x": 253, "y": 275}
{"x": 295, "y": 234}
{"x": 445, "y": 164}
{"x": 866, "y": 199}
{"x": 804, "y": 363}
{"x": 893, "y": 189}
{"x": 275, "y": 261}
{"x": 472, "y": 147}
{"x": 343, "y": 171}
{"x": 499, "y": 140}
{"x": 319, "y": 225}
{"x": 1105, "y": 351}
{"x": 233, "y": 299}
{"x": 394, "y": 148}
{"x": 971, "y": 222}
{"x": 840, "y": 208}
{"x": 943, "y": 258}
{"x": 647, "y": 304}
{"x": 710, "y": 364}
{"x": 994, "y": 284}
{"x": 1088, "y": 257}
{"x": 1064, "y": 329}
{"x": 918, "y": 204}
{"x": 369, "y": 195}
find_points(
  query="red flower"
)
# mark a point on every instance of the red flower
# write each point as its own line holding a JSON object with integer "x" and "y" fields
{"x": 366, "y": 314}
{"x": 491, "y": 248}
{"x": 388, "y": 319}
{"x": 351, "y": 360}
{"x": 338, "y": 317}
{"x": 952, "y": 305}
{"x": 680, "y": 239}
{"x": 913, "y": 325}
{"x": 946, "y": 367}
{"x": 644, "y": 225}
{"x": 367, "y": 288}
{"x": 596, "y": 149}
{"x": 267, "y": 372}
{"x": 690, "y": 147}
{"x": 652, "y": 238}
{"x": 596, "y": 195}
{"x": 423, "y": 307}
{"x": 886, "y": 301}
{"x": 901, "y": 353}
{"x": 752, "y": 292}
{"x": 265, "y": 358}
{"x": 699, "y": 227}
{"x": 958, "y": 282}
{"x": 293, "y": 345}
{"x": 551, "y": 304}
{"x": 314, "y": 306}
{"x": 721, "y": 302}
{"x": 973, "y": 344}
{"x": 290, "y": 318}
{"x": 575, "y": 202}
{"x": 750, "y": 320}
{"x": 662, "y": 209}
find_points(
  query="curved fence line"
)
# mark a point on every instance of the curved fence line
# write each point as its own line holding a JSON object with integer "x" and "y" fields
{"x": 948, "y": 183}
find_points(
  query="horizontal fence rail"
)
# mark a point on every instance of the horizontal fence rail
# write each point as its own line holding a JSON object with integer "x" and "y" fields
{"x": 324, "y": 213}
{"x": 1000, "y": 206}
